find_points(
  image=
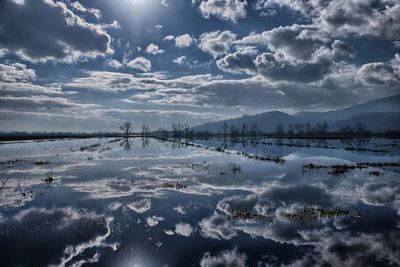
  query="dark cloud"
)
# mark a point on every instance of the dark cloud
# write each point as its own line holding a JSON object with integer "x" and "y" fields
{"x": 381, "y": 73}
{"x": 72, "y": 232}
{"x": 237, "y": 62}
{"x": 298, "y": 42}
{"x": 277, "y": 69}
{"x": 59, "y": 34}
{"x": 368, "y": 17}
{"x": 216, "y": 43}
{"x": 342, "y": 49}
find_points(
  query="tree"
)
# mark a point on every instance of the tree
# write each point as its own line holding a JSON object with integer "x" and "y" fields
{"x": 145, "y": 130}
{"x": 279, "y": 129}
{"x": 224, "y": 127}
{"x": 186, "y": 130}
{"x": 244, "y": 129}
{"x": 254, "y": 129}
{"x": 290, "y": 129}
{"x": 126, "y": 127}
{"x": 233, "y": 130}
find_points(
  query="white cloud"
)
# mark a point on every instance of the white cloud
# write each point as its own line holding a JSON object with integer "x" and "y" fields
{"x": 183, "y": 229}
{"x": 81, "y": 8}
{"x": 154, "y": 49}
{"x": 140, "y": 206}
{"x": 232, "y": 258}
{"x": 180, "y": 60}
{"x": 164, "y": 3}
{"x": 113, "y": 63}
{"x": 140, "y": 63}
{"x": 153, "y": 221}
{"x": 232, "y": 10}
{"x": 169, "y": 38}
{"x": 16, "y": 72}
{"x": 184, "y": 40}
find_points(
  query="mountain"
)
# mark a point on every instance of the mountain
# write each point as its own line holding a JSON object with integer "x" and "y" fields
{"x": 377, "y": 115}
{"x": 265, "y": 122}
{"x": 386, "y": 105}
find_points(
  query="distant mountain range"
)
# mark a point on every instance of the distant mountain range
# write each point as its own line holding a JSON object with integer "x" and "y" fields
{"x": 377, "y": 115}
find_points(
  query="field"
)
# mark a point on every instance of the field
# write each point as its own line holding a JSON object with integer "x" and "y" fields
{"x": 150, "y": 202}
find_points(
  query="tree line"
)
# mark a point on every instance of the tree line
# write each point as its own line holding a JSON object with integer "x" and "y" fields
{"x": 178, "y": 130}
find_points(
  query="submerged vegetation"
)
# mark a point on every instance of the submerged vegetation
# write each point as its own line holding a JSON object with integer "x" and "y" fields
{"x": 248, "y": 216}
{"x": 338, "y": 169}
{"x": 177, "y": 186}
{"x": 311, "y": 213}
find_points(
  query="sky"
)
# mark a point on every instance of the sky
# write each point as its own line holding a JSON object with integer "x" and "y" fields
{"x": 88, "y": 65}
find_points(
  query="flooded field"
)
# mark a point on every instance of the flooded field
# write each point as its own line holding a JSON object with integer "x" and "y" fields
{"x": 244, "y": 202}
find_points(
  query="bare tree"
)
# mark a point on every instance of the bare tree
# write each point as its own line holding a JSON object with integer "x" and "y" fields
{"x": 4, "y": 180}
{"x": 186, "y": 130}
{"x": 254, "y": 129}
{"x": 279, "y": 130}
{"x": 224, "y": 127}
{"x": 244, "y": 129}
{"x": 145, "y": 130}
{"x": 233, "y": 130}
{"x": 126, "y": 127}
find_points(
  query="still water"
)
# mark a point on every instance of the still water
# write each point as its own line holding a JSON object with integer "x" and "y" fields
{"x": 245, "y": 202}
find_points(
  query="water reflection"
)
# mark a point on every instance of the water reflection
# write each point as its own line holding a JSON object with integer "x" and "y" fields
{"x": 204, "y": 202}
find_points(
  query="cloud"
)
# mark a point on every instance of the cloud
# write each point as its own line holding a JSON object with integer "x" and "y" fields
{"x": 217, "y": 227}
{"x": 232, "y": 10}
{"x": 164, "y": 3}
{"x": 237, "y": 62}
{"x": 40, "y": 102}
{"x": 153, "y": 221}
{"x": 26, "y": 32}
{"x": 180, "y": 60}
{"x": 75, "y": 234}
{"x": 16, "y": 72}
{"x": 169, "y": 38}
{"x": 115, "y": 64}
{"x": 371, "y": 18}
{"x": 380, "y": 73}
{"x": 154, "y": 49}
{"x": 159, "y": 27}
{"x": 79, "y": 7}
{"x": 183, "y": 229}
{"x": 140, "y": 63}
{"x": 184, "y": 61}
{"x": 216, "y": 43}
{"x": 297, "y": 42}
{"x": 179, "y": 209}
{"x": 232, "y": 258}
{"x": 279, "y": 69}
{"x": 340, "y": 18}
{"x": 342, "y": 49}
{"x": 184, "y": 40}
{"x": 305, "y": 8}
{"x": 140, "y": 206}
{"x": 275, "y": 68}
{"x": 296, "y": 53}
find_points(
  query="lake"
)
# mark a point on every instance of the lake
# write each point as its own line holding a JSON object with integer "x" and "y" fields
{"x": 202, "y": 202}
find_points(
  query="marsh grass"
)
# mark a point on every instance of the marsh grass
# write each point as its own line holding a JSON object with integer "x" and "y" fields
{"x": 178, "y": 186}
{"x": 340, "y": 169}
{"x": 312, "y": 213}
{"x": 249, "y": 216}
